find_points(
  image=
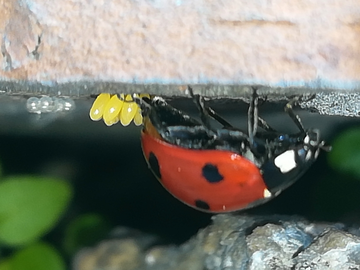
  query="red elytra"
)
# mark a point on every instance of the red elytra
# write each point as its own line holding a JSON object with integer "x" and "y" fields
{"x": 208, "y": 180}
{"x": 225, "y": 169}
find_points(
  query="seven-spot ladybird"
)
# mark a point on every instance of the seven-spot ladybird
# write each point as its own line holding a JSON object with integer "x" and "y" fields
{"x": 225, "y": 169}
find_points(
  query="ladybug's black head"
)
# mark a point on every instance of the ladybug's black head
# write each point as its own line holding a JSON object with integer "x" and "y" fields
{"x": 290, "y": 159}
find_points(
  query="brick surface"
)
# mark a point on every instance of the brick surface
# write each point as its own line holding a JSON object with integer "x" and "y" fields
{"x": 298, "y": 43}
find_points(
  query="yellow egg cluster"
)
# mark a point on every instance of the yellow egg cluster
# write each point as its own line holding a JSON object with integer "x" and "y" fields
{"x": 114, "y": 108}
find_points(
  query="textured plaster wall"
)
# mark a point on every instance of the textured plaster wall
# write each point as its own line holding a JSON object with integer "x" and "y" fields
{"x": 309, "y": 44}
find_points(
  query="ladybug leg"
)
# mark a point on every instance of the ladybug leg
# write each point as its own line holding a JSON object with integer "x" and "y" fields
{"x": 254, "y": 120}
{"x": 199, "y": 102}
{"x": 264, "y": 125}
{"x": 206, "y": 112}
{"x": 253, "y": 117}
{"x": 261, "y": 122}
{"x": 296, "y": 119}
{"x": 218, "y": 118}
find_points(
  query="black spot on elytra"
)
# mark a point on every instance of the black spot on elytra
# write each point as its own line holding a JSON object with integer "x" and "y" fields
{"x": 154, "y": 165}
{"x": 202, "y": 205}
{"x": 211, "y": 173}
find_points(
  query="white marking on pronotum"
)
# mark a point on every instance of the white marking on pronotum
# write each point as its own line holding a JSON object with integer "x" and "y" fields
{"x": 267, "y": 193}
{"x": 286, "y": 161}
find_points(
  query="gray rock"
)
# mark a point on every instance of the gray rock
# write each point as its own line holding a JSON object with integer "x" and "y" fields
{"x": 334, "y": 103}
{"x": 240, "y": 242}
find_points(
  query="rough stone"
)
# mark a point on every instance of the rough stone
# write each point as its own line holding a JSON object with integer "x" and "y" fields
{"x": 334, "y": 103}
{"x": 242, "y": 242}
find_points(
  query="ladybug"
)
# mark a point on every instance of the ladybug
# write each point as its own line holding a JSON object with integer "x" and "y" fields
{"x": 223, "y": 169}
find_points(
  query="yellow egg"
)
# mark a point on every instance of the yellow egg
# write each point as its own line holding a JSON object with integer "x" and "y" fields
{"x": 110, "y": 122}
{"x": 97, "y": 109}
{"x": 128, "y": 111}
{"x": 112, "y": 110}
{"x": 138, "y": 119}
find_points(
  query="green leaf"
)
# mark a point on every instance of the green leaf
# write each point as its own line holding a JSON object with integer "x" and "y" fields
{"x": 39, "y": 256}
{"x": 5, "y": 264}
{"x": 85, "y": 230}
{"x": 345, "y": 154}
{"x": 30, "y": 206}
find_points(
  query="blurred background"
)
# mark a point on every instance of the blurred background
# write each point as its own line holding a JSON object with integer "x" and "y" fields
{"x": 111, "y": 185}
